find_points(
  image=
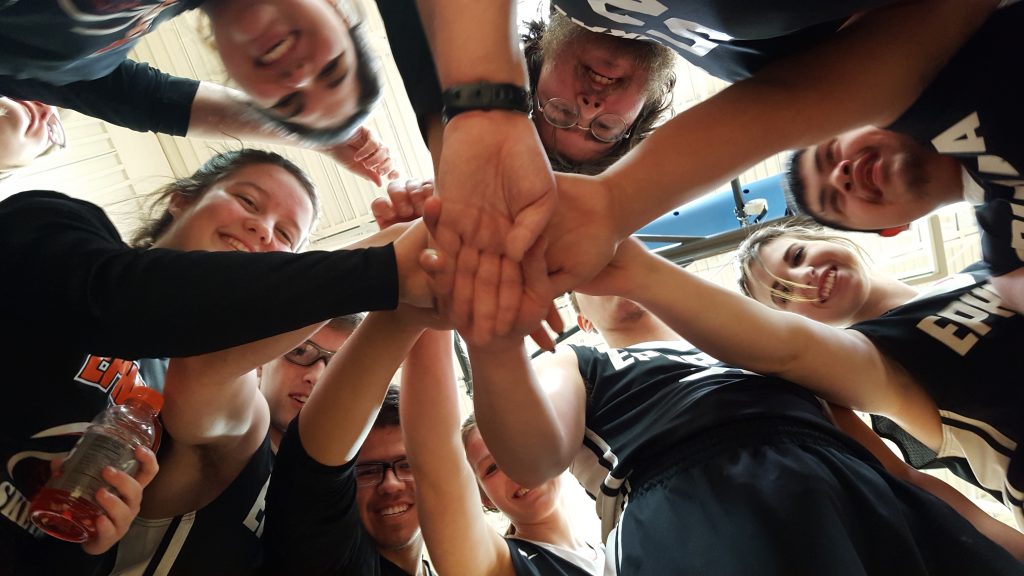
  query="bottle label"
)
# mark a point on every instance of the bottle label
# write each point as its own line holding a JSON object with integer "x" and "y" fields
{"x": 82, "y": 476}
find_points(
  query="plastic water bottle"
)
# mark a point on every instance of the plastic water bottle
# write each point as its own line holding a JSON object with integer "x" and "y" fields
{"x": 66, "y": 507}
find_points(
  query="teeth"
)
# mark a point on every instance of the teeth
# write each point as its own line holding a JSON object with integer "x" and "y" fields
{"x": 279, "y": 50}
{"x": 235, "y": 244}
{"x": 521, "y": 492}
{"x": 300, "y": 397}
{"x": 827, "y": 284}
{"x": 599, "y": 78}
{"x": 392, "y": 510}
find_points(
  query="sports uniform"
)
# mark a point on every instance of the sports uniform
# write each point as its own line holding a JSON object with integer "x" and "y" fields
{"x": 74, "y": 55}
{"x": 730, "y": 39}
{"x": 71, "y": 286}
{"x": 313, "y": 525}
{"x": 964, "y": 350}
{"x": 703, "y": 468}
{"x": 970, "y": 112}
{"x": 531, "y": 558}
{"x": 220, "y": 538}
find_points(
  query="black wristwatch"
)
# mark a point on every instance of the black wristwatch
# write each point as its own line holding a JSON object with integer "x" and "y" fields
{"x": 484, "y": 96}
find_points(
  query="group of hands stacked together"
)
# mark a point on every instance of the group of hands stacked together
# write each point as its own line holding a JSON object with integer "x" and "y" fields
{"x": 506, "y": 235}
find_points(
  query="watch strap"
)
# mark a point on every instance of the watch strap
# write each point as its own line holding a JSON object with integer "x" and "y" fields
{"x": 485, "y": 96}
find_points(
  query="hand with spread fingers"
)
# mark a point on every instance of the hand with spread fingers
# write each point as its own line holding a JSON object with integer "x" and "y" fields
{"x": 404, "y": 202}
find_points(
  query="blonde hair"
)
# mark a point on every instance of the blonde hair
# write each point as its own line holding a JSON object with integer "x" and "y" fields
{"x": 749, "y": 252}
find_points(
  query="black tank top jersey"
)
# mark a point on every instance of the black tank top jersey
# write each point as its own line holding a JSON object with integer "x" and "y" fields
{"x": 964, "y": 348}
{"x": 532, "y": 559}
{"x": 223, "y": 537}
{"x": 644, "y": 400}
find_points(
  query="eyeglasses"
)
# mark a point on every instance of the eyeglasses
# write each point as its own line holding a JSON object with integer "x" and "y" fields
{"x": 55, "y": 131}
{"x": 308, "y": 353}
{"x": 562, "y": 113}
{"x": 372, "y": 473}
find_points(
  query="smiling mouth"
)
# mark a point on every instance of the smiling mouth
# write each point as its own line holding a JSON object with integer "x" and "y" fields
{"x": 395, "y": 510}
{"x": 599, "y": 78}
{"x": 521, "y": 492}
{"x": 277, "y": 51}
{"x": 238, "y": 246}
{"x": 300, "y": 398}
{"x": 826, "y": 285}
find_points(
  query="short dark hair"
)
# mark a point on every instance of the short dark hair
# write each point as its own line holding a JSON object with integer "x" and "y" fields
{"x": 214, "y": 170}
{"x": 388, "y": 414}
{"x": 370, "y": 91}
{"x": 656, "y": 106}
{"x": 347, "y": 323}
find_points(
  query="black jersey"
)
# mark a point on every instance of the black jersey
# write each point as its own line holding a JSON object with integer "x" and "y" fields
{"x": 963, "y": 348}
{"x": 730, "y": 39}
{"x": 221, "y": 538}
{"x": 972, "y": 112}
{"x": 644, "y": 400}
{"x": 539, "y": 559}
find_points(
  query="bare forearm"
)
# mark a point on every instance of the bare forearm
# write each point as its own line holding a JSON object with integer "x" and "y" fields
{"x": 794, "y": 103}
{"x": 516, "y": 417}
{"x": 342, "y": 407}
{"x": 473, "y": 40}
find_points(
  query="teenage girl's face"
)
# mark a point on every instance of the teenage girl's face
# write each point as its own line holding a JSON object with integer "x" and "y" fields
{"x": 518, "y": 503}
{"x": 838, "y": 283}
{"x": 292, "y": 57}
{"x": 25, "y": 131}
{"x": 258, "y": 208}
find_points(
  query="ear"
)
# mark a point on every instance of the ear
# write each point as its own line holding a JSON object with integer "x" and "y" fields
{"x": 179, "y": 204}
{"x": 584, "y": 324}
{"x": 890, "y": 232}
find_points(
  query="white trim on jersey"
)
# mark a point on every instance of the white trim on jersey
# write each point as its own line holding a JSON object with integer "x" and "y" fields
{"x": 988, "y": 452}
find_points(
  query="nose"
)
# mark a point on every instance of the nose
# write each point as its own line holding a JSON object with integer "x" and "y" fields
{"x": 312, "y": 374}
{"x": 260, "y": 229}
{"x": 841, "y": 176}
{"x": 590, "y": 105}
{"x": 301, "y": 76}
{"x": 390, "y": 483}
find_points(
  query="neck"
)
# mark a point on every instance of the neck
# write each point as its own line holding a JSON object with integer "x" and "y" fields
{"x": 885, "y": 294}
{"x": 409, "y": 557}
{"x": 646, "y": 329}
{"x": 950, "y": 171}
{"x": 556, "y": 530}
{"x": 275, "y": 438}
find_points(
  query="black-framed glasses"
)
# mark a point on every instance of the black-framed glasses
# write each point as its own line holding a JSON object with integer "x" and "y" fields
{"x": 308, "y": 353}
{"x": 372, "y": 473}
{"x": 561, "y": 113}
{"x": 55, "y": 131}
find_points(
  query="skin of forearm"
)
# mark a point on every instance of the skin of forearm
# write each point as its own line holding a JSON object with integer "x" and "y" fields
{"x": 343, "y": 405}
{"x": 515, "y": 416}
{"x": 473, "y": 41}
{"x": 798, "y": 102}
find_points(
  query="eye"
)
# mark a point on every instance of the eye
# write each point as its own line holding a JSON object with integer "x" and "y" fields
{"x": 286, "y": 236}
{"x": 798, "y": 255}
{"x": 490, "y": 469}
{"x": 246, "y": 200}
{"x": 779, "y": 294}
{"x": 830, "y": 152}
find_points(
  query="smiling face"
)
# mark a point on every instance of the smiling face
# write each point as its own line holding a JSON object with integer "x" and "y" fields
{"x": 257, "y": 208}
{"x": 293, "y": 57}
{"x": 25, "y": 131}
{"x": 287, "y": 385}
{"x": 818, "y": 279}
{"x": 388, "y": 510}
{"x": 522, "y": 506}
{"x": 599, "y": 74}
{"x": 870, "y": 179}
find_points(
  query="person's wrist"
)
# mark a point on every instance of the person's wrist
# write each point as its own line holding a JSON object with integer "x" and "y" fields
{"x": 485, "y": 96}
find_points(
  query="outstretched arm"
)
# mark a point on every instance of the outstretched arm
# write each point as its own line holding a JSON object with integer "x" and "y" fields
{"x": 1002, "y": 534}
{"x": 531, "y": 417}
{"x": 454, "y": 528}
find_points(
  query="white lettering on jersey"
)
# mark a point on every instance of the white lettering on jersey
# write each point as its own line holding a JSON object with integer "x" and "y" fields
{"x": 1017, "y": 225}
{"x": 623, "y": 358}
{"x": 682, "y": 34}
{"x": 14, "y": 507}
{"x": 962, "y": 321}
{"x": 963, "y": 138}
{"x": 254, "y": 521}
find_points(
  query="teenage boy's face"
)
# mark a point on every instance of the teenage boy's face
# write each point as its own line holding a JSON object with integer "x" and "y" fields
{"x": 293, "y": 57}
{"x": 388, "y": 510}
{"x": 870, "y": 179}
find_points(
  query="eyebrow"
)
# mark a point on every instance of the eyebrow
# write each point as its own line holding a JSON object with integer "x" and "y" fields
{"x": 788, "y": 253}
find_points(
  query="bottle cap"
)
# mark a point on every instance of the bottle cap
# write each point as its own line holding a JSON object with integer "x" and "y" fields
{"x": 147, "y": 395}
